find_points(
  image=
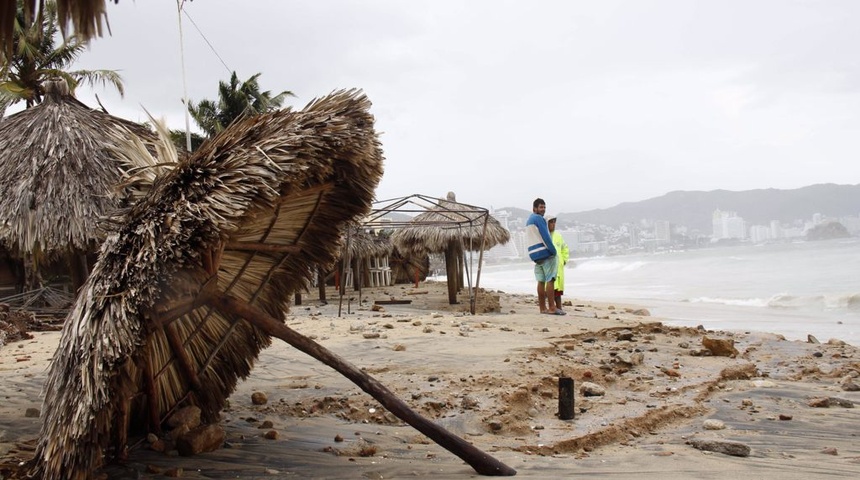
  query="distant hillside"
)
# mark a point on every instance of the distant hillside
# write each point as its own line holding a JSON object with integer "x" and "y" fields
{"x": 695, "y": 209}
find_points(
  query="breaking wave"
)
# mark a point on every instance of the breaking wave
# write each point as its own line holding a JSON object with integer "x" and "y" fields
{"x": 784, "y": 300}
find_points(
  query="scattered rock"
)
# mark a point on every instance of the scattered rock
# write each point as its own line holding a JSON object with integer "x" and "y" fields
{"x": 721, "y": 347}
{"x": 32, "y": 412}
{"x": 713, "y": 424}
{"x": 174, "y": 472}
{"x": 592, "y": 390}
{"x": 189, "y": 416}
{"x": 830, "y": 451}
{"x": 826, "y": 402}
{"x": 739, "y": 372}
{"x": 850, "y": 386}
{"x": 625, "y": 335}
{"x": 469, "y": 402}
{"x": 811, "y": 339}
{"x": 259, "y": 398}
{"x": 735, "y": 449}
{"x": 271, "y": 435}
{"x": 202, "y": 439}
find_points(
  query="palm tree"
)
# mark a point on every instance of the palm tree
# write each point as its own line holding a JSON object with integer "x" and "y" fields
{"x": 235, "y": 101}
{"x": 36, "y": 58}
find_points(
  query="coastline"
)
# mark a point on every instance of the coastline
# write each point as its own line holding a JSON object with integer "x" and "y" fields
{"x": 492, "y": 379}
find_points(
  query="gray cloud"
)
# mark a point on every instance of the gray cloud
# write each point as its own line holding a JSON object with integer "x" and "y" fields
{"x": 586, "y": 104}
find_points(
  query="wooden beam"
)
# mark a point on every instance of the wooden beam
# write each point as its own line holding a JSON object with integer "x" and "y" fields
{"x": 185, "y": 365}
{"x": 263, "y": 247}
{"x": 482, "y": 462}
{"x": 149, "y": 389}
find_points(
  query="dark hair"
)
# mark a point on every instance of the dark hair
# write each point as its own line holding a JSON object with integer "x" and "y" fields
{"x": 538, "y": 201}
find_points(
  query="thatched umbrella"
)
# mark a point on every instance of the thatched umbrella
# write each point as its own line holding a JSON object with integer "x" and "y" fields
{"x": 450, "y": 228}
{"x": 58, "y": 177}
{"x": 198, "y": 276}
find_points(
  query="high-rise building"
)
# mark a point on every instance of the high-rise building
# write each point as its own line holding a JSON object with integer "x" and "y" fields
{"x": 728, "y": 225}
{"x": 663, "y": 232}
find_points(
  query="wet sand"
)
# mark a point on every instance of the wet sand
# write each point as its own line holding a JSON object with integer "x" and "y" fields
{"x": 492, "y": 379}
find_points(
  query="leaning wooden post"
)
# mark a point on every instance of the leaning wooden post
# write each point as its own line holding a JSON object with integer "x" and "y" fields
{"x": 482, "y": 462}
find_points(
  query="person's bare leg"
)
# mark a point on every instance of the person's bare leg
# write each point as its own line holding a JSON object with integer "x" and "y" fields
{"x": 542, "y": 297}
{"x": 550, "y": 296}
{"x": 558, "y": 304}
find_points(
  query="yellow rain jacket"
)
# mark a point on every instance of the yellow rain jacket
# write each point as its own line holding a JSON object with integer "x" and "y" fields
{"x": 563, "y": 254}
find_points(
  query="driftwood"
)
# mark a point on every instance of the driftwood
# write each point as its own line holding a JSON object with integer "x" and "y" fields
{"x": 482, "y": 462}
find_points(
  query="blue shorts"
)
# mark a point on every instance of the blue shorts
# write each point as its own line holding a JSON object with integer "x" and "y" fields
{"x": 546, "y": 269}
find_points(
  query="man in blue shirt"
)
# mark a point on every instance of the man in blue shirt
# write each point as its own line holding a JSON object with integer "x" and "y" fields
{"x": 542, "y": 252}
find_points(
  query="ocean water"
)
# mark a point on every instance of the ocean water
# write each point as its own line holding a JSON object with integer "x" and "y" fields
{"x": 794, "y": 289}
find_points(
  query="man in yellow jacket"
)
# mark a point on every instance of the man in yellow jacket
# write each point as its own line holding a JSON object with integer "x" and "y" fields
{"x": 562, "y": 254}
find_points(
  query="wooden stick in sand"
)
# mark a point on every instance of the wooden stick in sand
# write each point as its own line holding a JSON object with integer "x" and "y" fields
{"x": 482, "y": 462}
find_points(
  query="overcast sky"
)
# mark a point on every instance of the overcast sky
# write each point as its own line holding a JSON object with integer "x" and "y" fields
{"x": 584, "y": 103}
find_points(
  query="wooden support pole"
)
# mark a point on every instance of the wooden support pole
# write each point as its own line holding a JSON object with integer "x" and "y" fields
{"x": 182, "y": 357}
{"x": 565, "y": 398}
{"x": 451, "y": 273}
{"x": 149, "y": 389}
{"x": 321, "y": 285}
{"x": 482, "y": 462}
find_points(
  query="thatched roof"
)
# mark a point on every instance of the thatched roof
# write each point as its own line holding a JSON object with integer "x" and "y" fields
{"x": 58, "y": 174}
{"x": 364, "y": 243}
{"x": 448, "y": 221}
{"x": 252, "y": 215}
{"x": 85, "y": 16}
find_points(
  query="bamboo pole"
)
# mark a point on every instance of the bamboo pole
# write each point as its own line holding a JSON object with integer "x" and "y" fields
{"x": 482, "y": 462}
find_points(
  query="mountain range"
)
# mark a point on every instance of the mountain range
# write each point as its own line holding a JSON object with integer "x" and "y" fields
{"x": 695, "y": 209}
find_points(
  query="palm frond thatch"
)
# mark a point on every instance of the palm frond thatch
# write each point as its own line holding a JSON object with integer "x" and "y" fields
{"x": 363, "y": 243}
{"x": 253, "y": 213}
{"x": 85, "y": 16}
{"x": 449, "y": 221}
{"x": 58, "y": 174}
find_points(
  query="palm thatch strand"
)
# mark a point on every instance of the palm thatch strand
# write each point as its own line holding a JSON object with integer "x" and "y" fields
{"x": 251, "y": 215}
{"x": 58, "y": 175}
{"x": 85, "y": 16}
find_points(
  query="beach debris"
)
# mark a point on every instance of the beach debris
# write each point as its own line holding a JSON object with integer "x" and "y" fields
{"x": 830, "y": 451}
{"x": 713, "y": 424}
{"x": 590, "y": 389}
{"x": 259, "y": 398}
{"x": 721, "y": 347}
{"x": 811, "y": 339}
{"x": 735, "y": 449}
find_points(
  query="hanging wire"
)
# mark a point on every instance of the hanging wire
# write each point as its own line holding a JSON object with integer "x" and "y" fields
{"x": 207, "y": 41}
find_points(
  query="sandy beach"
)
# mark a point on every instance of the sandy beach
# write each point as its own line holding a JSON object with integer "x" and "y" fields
{"x": 651, "y": 400}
